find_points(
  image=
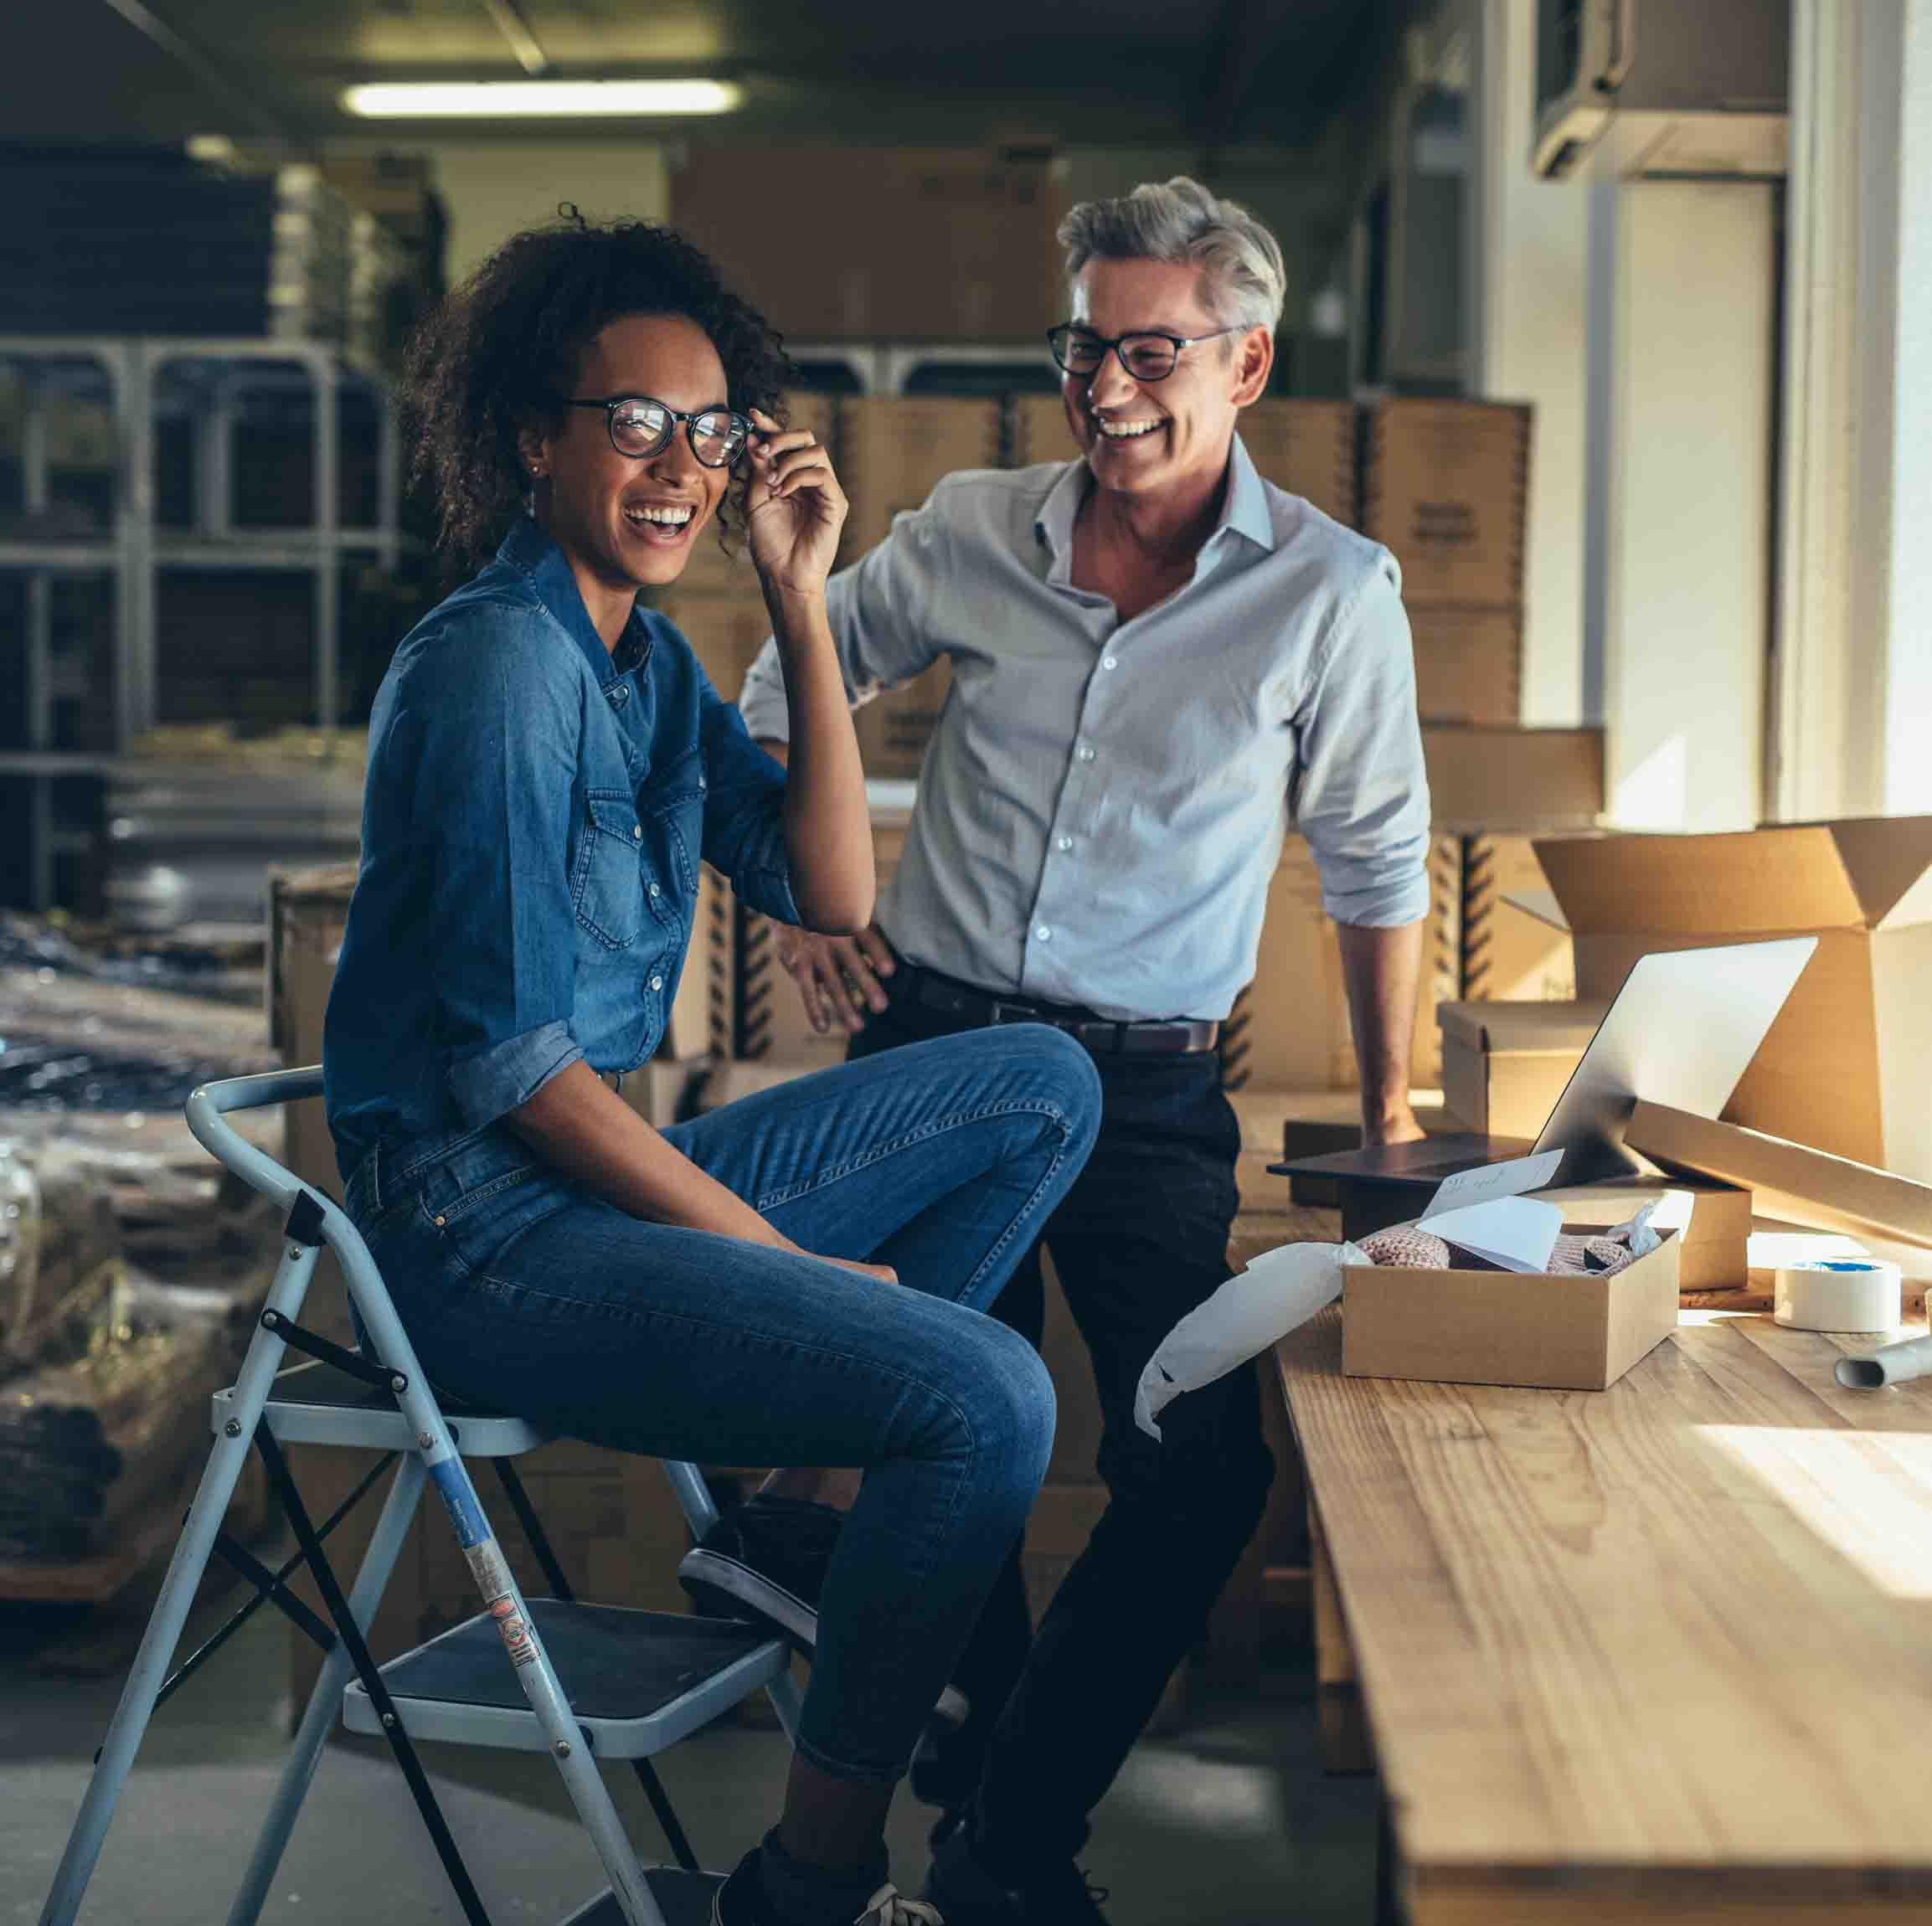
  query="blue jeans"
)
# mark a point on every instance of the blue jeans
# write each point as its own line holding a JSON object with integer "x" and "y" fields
{"x": 521, "y": 1290}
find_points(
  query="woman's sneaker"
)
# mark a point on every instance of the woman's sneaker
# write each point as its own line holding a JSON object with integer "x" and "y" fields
{"x": 767, "y": 1559}
{"x": 741, "y": 1900}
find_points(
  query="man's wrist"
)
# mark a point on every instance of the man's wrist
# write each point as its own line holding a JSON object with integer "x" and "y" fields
{"x": 1385, "y": 1107}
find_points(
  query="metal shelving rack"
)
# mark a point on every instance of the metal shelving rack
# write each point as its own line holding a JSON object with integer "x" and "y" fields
{"x": 137, "y": 376}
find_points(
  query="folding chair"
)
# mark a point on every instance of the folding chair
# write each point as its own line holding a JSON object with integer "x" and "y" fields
{"x": 580, "y": 1681}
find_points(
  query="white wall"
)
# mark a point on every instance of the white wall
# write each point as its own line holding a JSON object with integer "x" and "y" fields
{"x": 1636, "y": 317}
{"x": 1684, "y": 469}
{"x": 1529, "y": 285}
{"x": 1908, "y": 660}
{"x": 492, "y": 188}
{"x": 1853, "y": 669}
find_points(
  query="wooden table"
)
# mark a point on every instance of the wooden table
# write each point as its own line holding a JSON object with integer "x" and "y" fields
{"x": 1658, "y": 1653}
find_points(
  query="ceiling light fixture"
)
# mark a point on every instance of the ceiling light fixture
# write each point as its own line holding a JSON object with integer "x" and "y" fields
{"x": 577, "y": 99}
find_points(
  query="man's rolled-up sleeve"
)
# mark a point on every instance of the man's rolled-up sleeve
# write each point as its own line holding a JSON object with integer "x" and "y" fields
{"x": 1361, "y": 795}
{"x": 878, "y": 613}
{"x": 744, "y": 810}
{"x": 495, "y": 728}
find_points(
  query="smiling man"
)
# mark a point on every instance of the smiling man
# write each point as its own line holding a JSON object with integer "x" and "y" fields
{"x": 1157, "y": 658}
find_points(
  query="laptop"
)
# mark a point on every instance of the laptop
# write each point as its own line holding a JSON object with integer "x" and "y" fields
{"x": 1682, "y": 1031}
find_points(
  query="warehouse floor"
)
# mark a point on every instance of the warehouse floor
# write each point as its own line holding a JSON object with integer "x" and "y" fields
{"x": 1231, "y": 1804}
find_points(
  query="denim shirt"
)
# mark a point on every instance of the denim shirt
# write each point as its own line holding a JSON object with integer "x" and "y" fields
{"x": 533, "y": 821}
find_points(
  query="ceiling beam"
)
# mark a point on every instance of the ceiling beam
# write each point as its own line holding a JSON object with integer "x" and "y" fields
{"x": 207, "y": 73}
{"x": 512, "y": 23}
{"x": 1234, "y": 51}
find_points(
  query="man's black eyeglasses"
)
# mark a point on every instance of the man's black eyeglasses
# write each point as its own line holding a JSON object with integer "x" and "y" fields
{"x": 1148, "y": 356}
{"x": 642, "y": 425}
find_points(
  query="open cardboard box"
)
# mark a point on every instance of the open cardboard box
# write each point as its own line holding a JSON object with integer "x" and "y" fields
{"x": 1502, "y": 1327}
{"x": 1843, "y": 1066}
{"x": 1522, "y": 1325}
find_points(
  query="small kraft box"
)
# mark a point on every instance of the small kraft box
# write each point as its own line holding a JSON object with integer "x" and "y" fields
{"x": 1567, "y": 1333}
{"x": 1505, "y": 1064}
{"x": 1513, "y": 1321}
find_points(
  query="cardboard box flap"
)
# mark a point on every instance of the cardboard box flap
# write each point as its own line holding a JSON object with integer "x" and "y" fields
{"x": 1560, "y": 1029}
{"x": 1761, "y": 882}
{"x": 1788, "y": 1180}
{"x": 1541, "y": 904}
{"x": 1889, "y": 861}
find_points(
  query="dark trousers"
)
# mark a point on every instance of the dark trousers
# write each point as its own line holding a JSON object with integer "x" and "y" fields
{"x": 1137, "y": 1242}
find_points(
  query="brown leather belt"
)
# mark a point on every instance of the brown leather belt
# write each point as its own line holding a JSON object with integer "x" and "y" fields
{"x": 1182, "y": 1037}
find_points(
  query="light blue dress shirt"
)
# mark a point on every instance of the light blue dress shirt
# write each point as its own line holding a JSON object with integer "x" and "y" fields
{"x": 1102, "y": 805}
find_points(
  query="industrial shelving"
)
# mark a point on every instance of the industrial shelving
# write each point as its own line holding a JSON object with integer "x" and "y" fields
{"x": 143, "y": 381}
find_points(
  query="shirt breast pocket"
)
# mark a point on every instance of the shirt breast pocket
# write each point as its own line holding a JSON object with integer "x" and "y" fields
{"x": 607, "y": 882}
{"x": 672, "y": 807}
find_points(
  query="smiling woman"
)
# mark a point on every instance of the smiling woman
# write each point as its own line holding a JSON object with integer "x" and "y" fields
{"x": 508, "y": 349}
{"x": 795, "y": 1280}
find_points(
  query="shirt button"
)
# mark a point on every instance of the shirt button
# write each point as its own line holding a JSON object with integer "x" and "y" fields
{"x": 1063, "y": 843}
{"x": 1086, "y": 754}
{"x": 656, "y": 982}
{"x": 1109, "y": 661}
{"x": 637, "y": 833}
{"x": 437, "y": 1221}
{"x": 655, "y": 890}
{"x": 701, "y": 785}
{"x": 620, "y": 693}
{"x": 1043, "y": 933}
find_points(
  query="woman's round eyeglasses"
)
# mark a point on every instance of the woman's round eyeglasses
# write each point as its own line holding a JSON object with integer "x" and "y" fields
{"x": 1148, "y": 356}
{"x": 641, "y": 426}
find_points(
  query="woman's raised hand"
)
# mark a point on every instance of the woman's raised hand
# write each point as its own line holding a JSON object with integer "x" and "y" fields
{"x": 797, "y": 507}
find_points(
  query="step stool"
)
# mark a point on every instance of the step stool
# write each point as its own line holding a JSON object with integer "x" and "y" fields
{"x": 578, "y": 1681}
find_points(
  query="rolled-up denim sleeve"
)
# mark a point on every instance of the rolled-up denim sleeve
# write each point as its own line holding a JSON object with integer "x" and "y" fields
{"x": 1362, "y": 794}
{"x": 496, "y": 724}
{"x": 877, "y": 610}
{"x": 744, "y": 810}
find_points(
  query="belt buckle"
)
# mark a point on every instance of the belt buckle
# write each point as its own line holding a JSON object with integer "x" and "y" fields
{"x": 1006, "y": 1012}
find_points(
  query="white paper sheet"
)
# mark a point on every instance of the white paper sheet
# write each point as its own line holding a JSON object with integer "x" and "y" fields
{"x": 1517, "y": 1232}
{"x": 1280, "y": 1290}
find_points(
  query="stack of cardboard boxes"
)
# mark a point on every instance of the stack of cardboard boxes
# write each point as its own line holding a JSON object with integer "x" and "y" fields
{"x": 1445, "y": 485}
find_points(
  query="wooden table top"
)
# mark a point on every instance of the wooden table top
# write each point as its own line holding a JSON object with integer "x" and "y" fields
{"x": 1661, "y": 1652}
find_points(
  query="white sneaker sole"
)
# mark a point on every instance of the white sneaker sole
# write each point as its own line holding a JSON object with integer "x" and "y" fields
{"x": 771, "y": 1600}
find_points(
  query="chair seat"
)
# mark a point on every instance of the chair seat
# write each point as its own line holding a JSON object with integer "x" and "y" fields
{"x": 637, "y": 1680}
{"x": 315, "y": 1403}
{"x": 684, "y": 1898}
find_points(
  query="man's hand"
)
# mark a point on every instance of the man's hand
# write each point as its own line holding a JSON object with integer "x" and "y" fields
{"x": 1396, "y": 1126}
{"x": 837, "y": 975}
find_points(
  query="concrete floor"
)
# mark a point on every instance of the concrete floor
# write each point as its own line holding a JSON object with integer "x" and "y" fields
{"x": 1227, "y": 1818}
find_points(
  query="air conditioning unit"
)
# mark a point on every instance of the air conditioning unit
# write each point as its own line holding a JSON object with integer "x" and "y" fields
{"x": 1680, "y": 87}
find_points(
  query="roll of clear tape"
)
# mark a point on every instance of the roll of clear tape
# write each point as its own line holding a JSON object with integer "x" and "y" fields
{"x": 1896, "y": 1364}
{"x": 1839, "y": 1294}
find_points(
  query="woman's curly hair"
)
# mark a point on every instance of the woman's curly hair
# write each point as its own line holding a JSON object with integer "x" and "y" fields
{"x": 494, "y": 357}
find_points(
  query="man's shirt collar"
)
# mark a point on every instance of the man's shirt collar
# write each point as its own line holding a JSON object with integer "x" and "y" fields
{"x": 1244, "y": 508}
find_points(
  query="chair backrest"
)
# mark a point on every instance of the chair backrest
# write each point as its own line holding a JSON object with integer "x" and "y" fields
{"x": 207, "y": 1109}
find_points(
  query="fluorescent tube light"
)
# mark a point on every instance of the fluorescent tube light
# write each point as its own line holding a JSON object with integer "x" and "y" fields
{"x": 490, "y": 100}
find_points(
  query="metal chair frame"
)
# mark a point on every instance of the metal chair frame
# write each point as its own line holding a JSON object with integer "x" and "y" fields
{"x": 403, "y": 1420}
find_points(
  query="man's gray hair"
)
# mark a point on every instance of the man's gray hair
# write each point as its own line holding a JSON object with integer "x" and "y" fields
{"x": 1180, "y": 221}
